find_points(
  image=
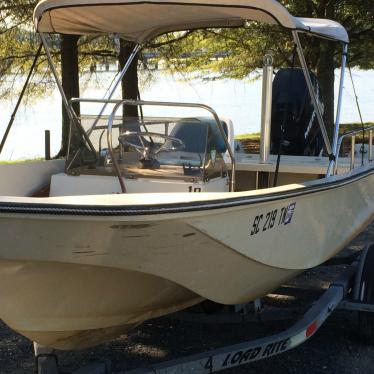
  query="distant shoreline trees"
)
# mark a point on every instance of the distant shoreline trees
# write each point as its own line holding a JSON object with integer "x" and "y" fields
{"x": 233, "y": 53}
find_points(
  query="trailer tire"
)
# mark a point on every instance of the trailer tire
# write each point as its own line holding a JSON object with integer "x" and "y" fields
{"x": 366, "y": 295}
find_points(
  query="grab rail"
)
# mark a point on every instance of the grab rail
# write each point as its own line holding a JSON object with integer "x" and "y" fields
{"x": 119, "y": 103}
{"x": 353, "y": 134}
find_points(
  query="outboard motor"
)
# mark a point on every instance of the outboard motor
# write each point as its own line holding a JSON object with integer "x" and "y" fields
{"x": 292, "y": 108}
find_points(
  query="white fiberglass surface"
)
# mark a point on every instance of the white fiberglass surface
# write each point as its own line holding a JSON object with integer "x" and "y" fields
{"x": 86, "y": 185}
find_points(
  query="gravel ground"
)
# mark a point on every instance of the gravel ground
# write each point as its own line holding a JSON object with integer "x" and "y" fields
{"x": 335, "y": 348}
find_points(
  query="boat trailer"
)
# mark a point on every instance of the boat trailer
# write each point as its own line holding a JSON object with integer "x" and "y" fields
{"x": 349, "y": 292}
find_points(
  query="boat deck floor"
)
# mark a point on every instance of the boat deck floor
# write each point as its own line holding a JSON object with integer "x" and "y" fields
{"x": 290, "y": 164}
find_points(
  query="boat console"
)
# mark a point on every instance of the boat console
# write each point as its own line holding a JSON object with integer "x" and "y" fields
{"x": 145, "y": 155}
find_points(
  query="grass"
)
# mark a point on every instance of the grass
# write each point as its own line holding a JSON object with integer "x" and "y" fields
{"x": 12, "y": 162}
{"x": 253, "y": 136}
{"x": 353, "y": 126}
{"x": 343, "y": 128}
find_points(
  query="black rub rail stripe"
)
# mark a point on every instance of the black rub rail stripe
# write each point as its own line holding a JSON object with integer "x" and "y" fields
{"x": 139, "y": 210}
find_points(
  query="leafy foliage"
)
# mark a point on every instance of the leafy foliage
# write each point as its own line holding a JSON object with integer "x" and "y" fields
{"x": 235, "y": 53}
{"x": 232, "y": 53}
{"x": 19, "y": 43}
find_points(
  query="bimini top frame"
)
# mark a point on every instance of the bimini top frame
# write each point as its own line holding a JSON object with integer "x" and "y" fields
{"x": 142, "y": 20}
{"x": 139, "y": 20}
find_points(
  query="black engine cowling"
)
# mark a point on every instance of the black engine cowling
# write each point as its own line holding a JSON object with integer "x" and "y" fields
{"x": 294, "y": 115}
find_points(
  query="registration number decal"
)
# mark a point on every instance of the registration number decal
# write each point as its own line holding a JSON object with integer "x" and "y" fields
{"x": 278, "y": 217}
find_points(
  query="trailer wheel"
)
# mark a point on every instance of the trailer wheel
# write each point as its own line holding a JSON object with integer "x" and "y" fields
{"x": 365, "y": 294}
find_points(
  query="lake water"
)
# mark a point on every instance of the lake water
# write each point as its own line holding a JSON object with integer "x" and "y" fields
{"x": 239, "y": 100}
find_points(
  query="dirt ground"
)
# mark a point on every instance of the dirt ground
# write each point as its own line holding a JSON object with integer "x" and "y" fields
{"x": 336, "y": 348}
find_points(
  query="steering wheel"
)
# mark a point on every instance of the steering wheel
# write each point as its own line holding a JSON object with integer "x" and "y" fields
{"x": 148, "y": 150}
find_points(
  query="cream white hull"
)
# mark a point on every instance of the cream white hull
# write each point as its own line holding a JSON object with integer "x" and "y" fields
{"x": 78, "y": 271}
{"x": 70, "y": 306}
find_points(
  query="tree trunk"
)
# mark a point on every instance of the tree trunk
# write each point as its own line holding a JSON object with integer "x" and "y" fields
{"x": 130, "y": 82}
{"x": 326, "y": 78}
{"x": 70, "y": 83}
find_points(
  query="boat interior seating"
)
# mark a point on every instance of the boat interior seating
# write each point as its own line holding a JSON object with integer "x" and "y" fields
{"x": 153, "y": 155}
{"x": 192, "y": 158}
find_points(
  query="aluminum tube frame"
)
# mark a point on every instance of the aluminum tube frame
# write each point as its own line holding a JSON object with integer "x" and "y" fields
{"x": 20, "y": 97}
{"x": 312, "y": 92}
{"x": 339, "y": 110}
{"x": 356, "y": 306}
{"x": 353, "y": 154}
{"x": 135, "y": 51}
{"x": 344, "y": 136}
{"x": 55, "y": 74}
{"x": 69, "y": 110}
{"x": 267, "y": 94}
{"x": 158, "y": 103}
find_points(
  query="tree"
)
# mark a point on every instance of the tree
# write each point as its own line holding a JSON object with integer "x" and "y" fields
{"x": 228, "y": 52}
{"x": 130, "y": 82}
{"x": 17, "y": 43}
{"x": 357, "y": 16}
{"x": 235, "y": 53}
{"x": 70, "y": 83}
{"x": 70, "y": 52}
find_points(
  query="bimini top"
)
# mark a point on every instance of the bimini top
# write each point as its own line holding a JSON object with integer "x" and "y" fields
{"x": 138, "y": 20}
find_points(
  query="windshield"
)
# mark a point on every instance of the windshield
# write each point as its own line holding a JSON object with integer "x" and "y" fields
{"x": 152, "y": 143}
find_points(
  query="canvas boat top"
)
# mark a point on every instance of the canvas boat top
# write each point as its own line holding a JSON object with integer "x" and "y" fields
{"x": 139, "y": 20}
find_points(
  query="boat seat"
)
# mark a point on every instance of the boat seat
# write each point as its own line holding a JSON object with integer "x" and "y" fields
{"x": 194, "y": 135}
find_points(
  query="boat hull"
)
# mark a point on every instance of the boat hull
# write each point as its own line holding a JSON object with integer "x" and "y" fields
{"x": 69, "y": 306}
{"x": 94, "y": 274}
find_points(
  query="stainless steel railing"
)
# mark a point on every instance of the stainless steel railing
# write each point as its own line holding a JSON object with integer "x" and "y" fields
{"x": 353, "y": 134}
{"x": 120, "y": 103}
